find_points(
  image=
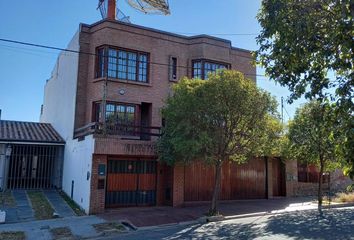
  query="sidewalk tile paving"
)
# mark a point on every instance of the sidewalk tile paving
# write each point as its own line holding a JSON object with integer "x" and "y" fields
{"x": 59, "y": 204}
{"x": 152, "y": 216}
{"x": 24, "y": 209}
{"x": 40, "y": 230}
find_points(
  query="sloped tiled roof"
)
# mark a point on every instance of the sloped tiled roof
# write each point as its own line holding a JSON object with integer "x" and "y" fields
{"x": 15, "y": 131}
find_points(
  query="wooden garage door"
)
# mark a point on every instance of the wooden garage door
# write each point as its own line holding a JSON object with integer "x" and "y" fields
{"x": 131, "y": 183}
{"x": 245, "y": 181}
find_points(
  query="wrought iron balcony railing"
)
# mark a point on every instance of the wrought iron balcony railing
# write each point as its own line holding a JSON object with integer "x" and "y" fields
{"x": 129, "y": 131}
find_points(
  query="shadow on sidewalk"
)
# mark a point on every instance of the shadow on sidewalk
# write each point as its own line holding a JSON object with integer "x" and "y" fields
{"x": 333, "y": 224}
{"x": 152, "y": 216}
{"x": 229, "y": 231}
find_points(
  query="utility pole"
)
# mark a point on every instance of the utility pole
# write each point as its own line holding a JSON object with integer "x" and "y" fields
{"x": 282, "y": 110}
{"x": 104, "y": 97}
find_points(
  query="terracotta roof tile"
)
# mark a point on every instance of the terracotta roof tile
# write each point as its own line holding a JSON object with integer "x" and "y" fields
{"x": 28, "y": 132}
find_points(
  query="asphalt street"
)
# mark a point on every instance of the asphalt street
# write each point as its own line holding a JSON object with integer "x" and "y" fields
{"x": 309, "y": 224}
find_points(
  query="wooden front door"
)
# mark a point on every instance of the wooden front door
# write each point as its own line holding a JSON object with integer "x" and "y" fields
{"x": 131, "y": 183}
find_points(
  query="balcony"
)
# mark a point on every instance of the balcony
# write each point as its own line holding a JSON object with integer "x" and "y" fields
{"x": 132, "y": 132}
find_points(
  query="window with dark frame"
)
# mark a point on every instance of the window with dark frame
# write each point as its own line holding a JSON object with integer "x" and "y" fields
{"x": 122, "y": 64}
{"x": 173, "y": 68}
{"x": 116, "y": 113}
{"x": 201, "y": 68}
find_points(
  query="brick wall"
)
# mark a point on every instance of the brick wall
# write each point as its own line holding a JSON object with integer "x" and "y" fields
{"x": 338, "y": 182}
{"x": 160, "y": 46}
{"x": 178, "y": 185}
{"x": 97, "y": 196}
{"x": 112, "y": 145}
{"x": 270, "y": 177}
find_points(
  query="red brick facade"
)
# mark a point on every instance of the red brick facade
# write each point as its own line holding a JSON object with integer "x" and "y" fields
{"x": 97, "y": 196}
{"x": 160, "y": 46}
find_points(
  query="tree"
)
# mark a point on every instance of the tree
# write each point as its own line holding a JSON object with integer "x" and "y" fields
{"x": 301, "y": 42}
{"x": 314, "y": 137}
{"x": 214, "y": 121}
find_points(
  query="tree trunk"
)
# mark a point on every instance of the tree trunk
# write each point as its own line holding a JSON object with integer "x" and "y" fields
{"x": 214, "y": 202}
{"x": 320, "y": 179}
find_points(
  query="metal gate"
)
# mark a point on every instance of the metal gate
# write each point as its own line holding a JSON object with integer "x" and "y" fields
{"x": 131, "y": 183}
{"x": 32, "y": 166}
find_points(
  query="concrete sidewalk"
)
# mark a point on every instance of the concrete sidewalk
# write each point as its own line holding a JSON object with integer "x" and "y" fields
{"x": 153, "y": 216}
{"x": 145, "y": 218}
{"x": 40, "y": 230}
{"x": 306, "y": 224}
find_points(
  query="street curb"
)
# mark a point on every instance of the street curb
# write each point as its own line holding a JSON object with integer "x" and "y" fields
{"x": 168, "y": 225}
{"x": 259, "y": 214}
{"x": 256, "y": 214}
{"x": 339, "y": 205}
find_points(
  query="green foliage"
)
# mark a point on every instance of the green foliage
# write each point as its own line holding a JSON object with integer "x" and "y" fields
{"x": 345, "y": 124}
{"x": 225, "y": 117}
{"x": 300, "y": 43}
{"x": 313, "y": 134}
{"x": 350, "y": 188}
{"x": 271, "y": 141}
{"x": 302, "y": 40}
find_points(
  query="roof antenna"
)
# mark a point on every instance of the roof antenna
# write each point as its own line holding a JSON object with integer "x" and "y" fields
{"x": 109, "y": 8}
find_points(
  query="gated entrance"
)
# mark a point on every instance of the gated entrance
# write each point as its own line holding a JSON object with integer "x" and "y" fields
{"x": 131, "y": 183}
{"x": 31, "y": 155}
{"x": 33, "y": 167}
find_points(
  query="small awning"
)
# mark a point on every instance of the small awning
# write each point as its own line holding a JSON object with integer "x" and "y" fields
{"x": 28, "y": 132}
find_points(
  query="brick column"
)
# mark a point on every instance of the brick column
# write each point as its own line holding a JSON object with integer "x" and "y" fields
{"x": 178, "y": 185}
{"x": 97, "y": 196}
{"x": 160, "y": 184}
{"x": 270, "y": 177}
{"x": 291, "y": 178}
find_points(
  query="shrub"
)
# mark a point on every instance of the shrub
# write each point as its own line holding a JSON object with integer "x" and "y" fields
{"x": 350, "y": 188}
{"x": 345, "y": 197}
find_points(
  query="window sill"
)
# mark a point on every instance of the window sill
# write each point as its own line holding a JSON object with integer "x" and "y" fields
{"x": 122, "y": 81}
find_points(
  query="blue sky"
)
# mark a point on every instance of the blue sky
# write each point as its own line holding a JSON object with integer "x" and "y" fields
{"x": 24, "y": 70}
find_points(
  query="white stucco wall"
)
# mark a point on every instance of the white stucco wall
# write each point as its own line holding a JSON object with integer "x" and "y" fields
{"x": 77, "y": 165}
{"x": 59, "y": 110}
{"x": 60, "y": 92}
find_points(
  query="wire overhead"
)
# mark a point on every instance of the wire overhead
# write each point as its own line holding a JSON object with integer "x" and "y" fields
{"x": 94, "y": 54}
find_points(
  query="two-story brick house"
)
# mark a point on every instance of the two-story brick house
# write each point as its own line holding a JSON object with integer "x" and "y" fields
{"x": 105, "y": 102}
{"x": 104, "y": 98}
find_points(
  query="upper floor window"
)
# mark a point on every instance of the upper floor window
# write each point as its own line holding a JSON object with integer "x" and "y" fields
{"x": 173, "y": 68}
{"x": 201, "y": 68}
{"x": 122, "y": 64}
{"x": 116, "y": 113}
